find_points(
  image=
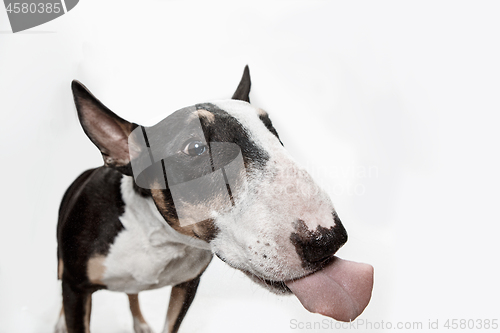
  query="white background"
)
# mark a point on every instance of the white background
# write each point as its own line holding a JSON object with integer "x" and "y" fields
{"x": 393, "y": 106}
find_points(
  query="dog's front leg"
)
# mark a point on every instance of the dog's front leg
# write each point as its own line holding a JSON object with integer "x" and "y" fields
{"x": 140, "y": 324}
{"x": 77, "y": 306}
{"x": 181, "y": 297}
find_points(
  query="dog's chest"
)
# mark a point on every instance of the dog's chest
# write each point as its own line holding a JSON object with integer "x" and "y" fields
{"x": 148, "y": 254}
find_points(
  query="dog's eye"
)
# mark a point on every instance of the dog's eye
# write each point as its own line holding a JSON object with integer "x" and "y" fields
{"x": 195, "y": 148}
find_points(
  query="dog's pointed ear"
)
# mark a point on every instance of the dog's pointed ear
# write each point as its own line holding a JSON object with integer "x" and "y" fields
{"x": 243, "y": 91}
{"x": 104, "y": 128}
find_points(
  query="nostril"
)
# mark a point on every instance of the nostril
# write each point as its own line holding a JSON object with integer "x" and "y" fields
{"x": 316, "y": 246}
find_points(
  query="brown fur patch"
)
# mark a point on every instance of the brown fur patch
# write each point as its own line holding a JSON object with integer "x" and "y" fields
{"x": 261, "y": 113}
{"x": 202, "y": 114}
{"x": 135, "y": 308}
{"x": 60, "y": 269}
{"x": 181, "y": 297}
{"x": 177, "y": 298}
{"x": 96, "y": 269}
{"x": 88, "y": 310}
{"x": 209, "y": 116}
{"x": 162, "y": 204}
{"x": 205, "y": 230}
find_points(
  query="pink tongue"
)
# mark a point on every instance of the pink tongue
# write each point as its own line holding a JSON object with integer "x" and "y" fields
{"x": 341, "y": 290}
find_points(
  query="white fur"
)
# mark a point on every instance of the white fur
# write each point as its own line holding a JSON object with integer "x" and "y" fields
{"x": 255, "y": 234}
{"x": 140, "y": 327}
{"x": 148, "y": 253}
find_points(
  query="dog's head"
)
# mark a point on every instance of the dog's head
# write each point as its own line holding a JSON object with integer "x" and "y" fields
{"x": 219, "y": 172}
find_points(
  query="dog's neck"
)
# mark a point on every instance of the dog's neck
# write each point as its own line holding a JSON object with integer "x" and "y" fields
{"x": 141, "y": 212}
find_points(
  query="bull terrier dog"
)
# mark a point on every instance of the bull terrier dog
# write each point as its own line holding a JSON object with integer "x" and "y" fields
{"x": 210, "y": 179}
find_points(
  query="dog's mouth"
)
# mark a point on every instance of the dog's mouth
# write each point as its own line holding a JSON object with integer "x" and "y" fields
{"x": 278, "y": 287}
{"x": 341, "y": 289}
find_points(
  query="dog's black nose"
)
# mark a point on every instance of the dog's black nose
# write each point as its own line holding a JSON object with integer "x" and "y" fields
{"x": 314, "y": 247}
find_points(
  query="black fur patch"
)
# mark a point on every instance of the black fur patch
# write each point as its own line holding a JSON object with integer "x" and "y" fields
{"x": 243, "y": 91}
{"x": 269, "y": 125}
{"x": 226, "y": 128}
{"x": 88, "y": 221}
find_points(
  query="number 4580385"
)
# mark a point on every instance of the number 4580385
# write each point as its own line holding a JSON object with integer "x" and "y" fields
{"x": 24, "y": 7}
{"x": 471, "y": 324}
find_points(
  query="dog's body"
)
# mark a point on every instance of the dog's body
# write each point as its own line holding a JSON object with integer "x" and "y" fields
{"x": 120, "y": 243}
{"x": 114, "y": 234}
